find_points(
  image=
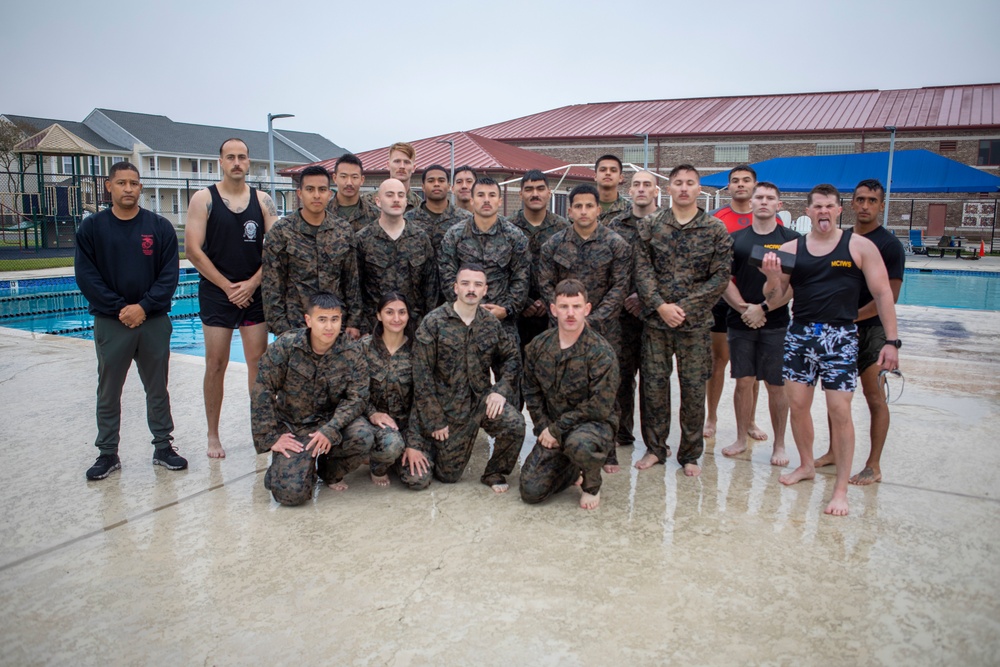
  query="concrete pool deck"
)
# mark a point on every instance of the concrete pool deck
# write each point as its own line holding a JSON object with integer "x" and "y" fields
{"x": 200, "y": 566}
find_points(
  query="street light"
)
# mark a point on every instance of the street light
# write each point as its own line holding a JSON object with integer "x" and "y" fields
{"x": 452, "y": 182}
{"x": 888, "y": 179}
{"x": 270, "y": 145}
{"x": 645, "y": 148}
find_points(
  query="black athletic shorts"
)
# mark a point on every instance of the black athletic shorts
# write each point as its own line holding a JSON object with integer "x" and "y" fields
{"x": 216, "y": 310}
{"x": 827, "y": 352}
{"x": 757, "y": 353}
{"x": 871, "y": 340}
{"x": 720, "y": 312}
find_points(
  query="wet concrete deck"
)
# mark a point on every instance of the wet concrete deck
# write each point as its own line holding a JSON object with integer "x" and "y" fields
{"x": 158, "y": 567}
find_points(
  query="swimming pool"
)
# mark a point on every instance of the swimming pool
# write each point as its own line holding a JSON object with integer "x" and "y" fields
{"x": 973, "y": 290}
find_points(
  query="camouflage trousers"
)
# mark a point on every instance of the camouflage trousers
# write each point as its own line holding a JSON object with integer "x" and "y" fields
{"x": 694, "y": 366}
{"x": 546, "y": 472}
{"x": 291, "y": 480}
{"x": 387, "y": 446}
{"x": 628, "y": 364}
{"x": 612, "y": 332}
{"x": 447, "y": 460}
{"x": 510, "y": 328}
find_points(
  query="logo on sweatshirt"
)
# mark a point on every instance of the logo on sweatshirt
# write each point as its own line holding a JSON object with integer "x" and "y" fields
{"x": 249, "y": 231}
{"x": 147, "y": 244}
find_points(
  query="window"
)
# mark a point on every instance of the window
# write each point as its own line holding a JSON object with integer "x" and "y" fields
{"x": 834, "y": 148}
{"x": 635, "y": 154}
{"x": 989, "y": 152}
{"x": 152, "y": 164}
{"x": 95, "y": 165}
{"x": 67, "y": 165}
{"x": 947, "y": 146}
{"x": 732, "y": 152}
{"x": 210, "y": 167}
{"x": 194, "y": 166}
{"x": 175, "y": 203}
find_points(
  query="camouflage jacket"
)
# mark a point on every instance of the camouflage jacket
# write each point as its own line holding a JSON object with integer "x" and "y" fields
{"x": 502, "y": 251}
{"x": 299, "y": 391}
{"x": 566, "y": 388}
{"x": 390, "y": 389}
{"x": 537, "y": 236}
{"x": 365, "y": 214}
{"x": 434, "y": 225}
{"x": 602, "y": 262}
{"x": 619, "y": 206}
{"x": 451, "y": 366}
{"x": 688, "y": 265}
{"x": 626, "y": 225}
{"x": 413, "y": 200}
{"x": 300, "y": 260}
{"x": 405, "y": 265}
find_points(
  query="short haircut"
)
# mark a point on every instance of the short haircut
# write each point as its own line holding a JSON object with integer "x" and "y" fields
{"x": 434, "y": 167}
{"x": 609, "y": 156}
{"x": 683, "y": 167}
{"x": 570, "y": 287}
{"x": 872, "y": 184}
{"x": 822, "y": 189}
{"x": 314, "y": 170}
{"x": 535, "y": 175}
{"x": 122, "y": 166}
{"x": 348, "y": 158}
{"x": 584, "y": 189}
{"x": 388, "y": 298}
{"x": 404, "y": 148}
{"x": 223, "y": 144}
{"x": 742, "y": 167}
{"x": 326, "y": 301}
{"x": 470, "y": 266}
{"x": 484, "y": 180}
{"x": 465, "y": 167}
{"x": 769, "y": 185}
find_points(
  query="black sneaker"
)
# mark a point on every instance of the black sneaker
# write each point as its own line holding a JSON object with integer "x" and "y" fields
{"x": 169, "y": 459}
{"x": 104, "y": 466}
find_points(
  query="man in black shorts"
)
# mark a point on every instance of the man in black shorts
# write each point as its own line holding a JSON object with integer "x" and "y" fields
{"x": 224, "y": 239}
{"x": 756, "y": 327}
{"x": 868, "y": 201}
{"x": 831, "y": 265}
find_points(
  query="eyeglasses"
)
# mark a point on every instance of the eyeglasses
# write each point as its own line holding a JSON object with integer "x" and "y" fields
{"x": 891, "y": 395}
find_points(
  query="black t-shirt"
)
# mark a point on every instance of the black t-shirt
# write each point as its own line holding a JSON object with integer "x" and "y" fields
{"x": 234, "y": 241}
{"x": 748, "y": 278}
{"x": 826, "y": 286}
{"x": 894, "y": 257}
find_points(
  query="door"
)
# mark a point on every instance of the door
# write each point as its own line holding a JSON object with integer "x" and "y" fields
{"x": 936, "y": 214}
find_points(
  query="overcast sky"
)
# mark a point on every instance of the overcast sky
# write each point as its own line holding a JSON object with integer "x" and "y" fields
{"x": 365, "y": 74}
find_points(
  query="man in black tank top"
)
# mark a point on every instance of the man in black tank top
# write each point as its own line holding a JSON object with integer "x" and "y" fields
{"x": 831, "y": 265}
{"x": 224, "y": 239}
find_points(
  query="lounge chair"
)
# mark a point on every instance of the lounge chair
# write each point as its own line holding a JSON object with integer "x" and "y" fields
{"x": 916, "y": 243}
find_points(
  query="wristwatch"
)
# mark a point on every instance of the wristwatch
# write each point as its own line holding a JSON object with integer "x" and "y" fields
{"x": 764, "y": 307}
{"x": 895, "y": 343}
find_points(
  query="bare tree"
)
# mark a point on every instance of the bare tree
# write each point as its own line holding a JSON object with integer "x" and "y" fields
{"x": 10, "y": 136}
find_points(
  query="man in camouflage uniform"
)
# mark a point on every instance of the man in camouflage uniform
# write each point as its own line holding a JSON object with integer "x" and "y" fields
{"x": 570, "y": 381}
{"x": 682, "y": 265}
{"x": 348, "y": 203}
{"x": 645, "y": 195}
{"x": 600, "y": 259}
{"x": 538, "y": 224}
{"x": 395, "y": 255}
{"x": 436, "y": 215}
{"x": 307, "y": 252}
{"x": 308, "y": 403}
{"x": 402, "y": 163}
{"x": 497, "y": 245}
{"x": 465, "y": 178}
{"x": 608, "y": 177}
{"x": 454, "y": 349}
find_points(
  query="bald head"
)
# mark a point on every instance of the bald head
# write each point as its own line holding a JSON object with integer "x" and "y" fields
{"x": 391, "y": 198}
{"x": 644, "y": 192}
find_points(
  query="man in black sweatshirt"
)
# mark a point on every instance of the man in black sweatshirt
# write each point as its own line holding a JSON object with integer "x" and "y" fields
{"x": 127, "y": 267}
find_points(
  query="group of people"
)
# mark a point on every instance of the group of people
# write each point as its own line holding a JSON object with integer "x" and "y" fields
{"x": 405, "y": 325}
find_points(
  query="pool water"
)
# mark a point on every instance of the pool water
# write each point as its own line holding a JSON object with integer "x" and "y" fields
{"x": 951, "y": 289}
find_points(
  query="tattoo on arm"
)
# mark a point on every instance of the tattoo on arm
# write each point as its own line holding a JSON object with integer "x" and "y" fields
{"x": 269, "y": 205}
{"x": 209, "y": 207}
{"x": 771, "y": 293}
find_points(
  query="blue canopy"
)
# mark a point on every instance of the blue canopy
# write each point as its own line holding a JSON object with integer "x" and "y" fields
{"x": 912, "y": 171}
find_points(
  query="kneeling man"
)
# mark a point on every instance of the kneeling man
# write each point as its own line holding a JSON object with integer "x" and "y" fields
{"x": 308, "y": 404}
{"x": 456, "y": 344}
{"x": 570, "y": 383}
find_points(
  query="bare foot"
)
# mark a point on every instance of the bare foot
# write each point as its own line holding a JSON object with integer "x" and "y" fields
{"x": 692, "y": 469}
{"x": 579, "y": 481}
{"x": 837, "y": 506}
{"x": 338, "y": 486}
{"x": 755, "y": 433}
{"x": 215, "y": 450}
{"x": 590, "y": 501}
{"x": 500, "y": 488}
{"x": 648, "y": 461}
{"x": 736, "y": 448}
{"x": 825, "y": 460}
{"x": 380, "y": 480}
{"x": 799, "y": 474}
{"x": 779, "y": 457}
{"x": 709, "y": 431}
{"x": 611, "y": 468}
{"x": 866, "y": 477}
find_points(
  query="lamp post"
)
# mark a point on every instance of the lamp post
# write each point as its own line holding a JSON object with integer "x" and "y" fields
{"x": 451, "y": 183}
{"x": 270, "y": 145}
{"x": 888, "y": 178}
{"x": 645, "y": 148}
